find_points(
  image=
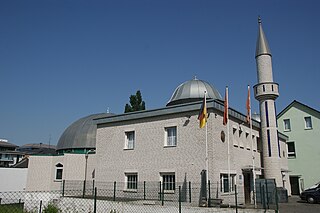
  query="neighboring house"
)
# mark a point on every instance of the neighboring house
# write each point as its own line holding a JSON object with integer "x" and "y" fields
{"x": 8, "y": 154}
{"x": 301, "y": 124}
{"x": 37, "y": 149}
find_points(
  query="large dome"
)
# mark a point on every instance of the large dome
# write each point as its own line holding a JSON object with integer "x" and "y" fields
{"x": 191, "y": 91}
{"x": 80, "y": 135}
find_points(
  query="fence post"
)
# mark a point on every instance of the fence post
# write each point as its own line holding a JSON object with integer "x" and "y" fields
{"x": 63, "y": 185}
{"x": 209, "y": 191}
{"x": 277, "y": 201}
{"x": 95, "y": 200}
{"x": 144, "y": 190}
{"x": 84, "y": 188}
{"x": 263, "y": 197}
{"x": 114, "y": 190}
{"x": 40, "y": 209}
{"x": 162, "y": 202}
{"x": 160, "y": 197}
{"x": 189, "y": 191}
{"x": 93, "y": 187}
{"x": 260, "y": 193}
{"x": 267, "y": 193}
{"x": 217, "y": 193}
{"x": 179, "y": 199}
{"x": 236, "y": 197}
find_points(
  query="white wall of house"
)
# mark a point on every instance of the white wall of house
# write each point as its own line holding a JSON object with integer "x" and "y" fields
{"x": 150, "y": 157}
{"x": 13, "y": 179}
{"x": 42, "y": 170}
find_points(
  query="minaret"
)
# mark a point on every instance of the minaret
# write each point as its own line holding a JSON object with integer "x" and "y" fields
{"x": 266, "y": 92}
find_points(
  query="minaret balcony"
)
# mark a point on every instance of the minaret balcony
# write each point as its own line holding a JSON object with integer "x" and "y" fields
{"x": 267, "y": 90}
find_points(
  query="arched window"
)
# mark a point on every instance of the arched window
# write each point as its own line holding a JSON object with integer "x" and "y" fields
{"x": 59, "y": 171}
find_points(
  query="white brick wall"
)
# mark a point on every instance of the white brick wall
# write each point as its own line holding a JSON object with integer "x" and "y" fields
{"x": 41, "y": 172}
{"x": 149, "y": 157}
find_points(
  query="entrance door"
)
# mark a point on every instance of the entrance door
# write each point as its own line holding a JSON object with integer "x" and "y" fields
{"x": 246, "y": 178}
{"x": 294, "y": 182}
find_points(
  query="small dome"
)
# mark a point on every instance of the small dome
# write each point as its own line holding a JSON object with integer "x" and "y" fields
{"x": 191, "y": 91}
{"x": 81, "y": 134}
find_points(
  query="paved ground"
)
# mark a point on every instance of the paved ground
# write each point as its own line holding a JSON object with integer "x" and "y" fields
{"x": 295, "y": 205}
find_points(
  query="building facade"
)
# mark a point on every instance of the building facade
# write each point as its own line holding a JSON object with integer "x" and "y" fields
{"x": 167, "y": 144}
{"x": 301, "y": 124}
{"x": 9, "y": 155}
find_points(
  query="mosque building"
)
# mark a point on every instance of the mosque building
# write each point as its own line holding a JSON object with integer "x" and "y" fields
{"x": 167, "y": 144}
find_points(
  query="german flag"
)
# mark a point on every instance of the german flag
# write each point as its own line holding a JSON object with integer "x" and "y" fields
{"x": 203, "y": 115}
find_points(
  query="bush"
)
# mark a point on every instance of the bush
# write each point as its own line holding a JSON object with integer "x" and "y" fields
{"x": 51, "y": 208}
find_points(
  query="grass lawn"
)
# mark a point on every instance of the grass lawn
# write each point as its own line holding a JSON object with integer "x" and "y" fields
{"x": 11, "y": 208}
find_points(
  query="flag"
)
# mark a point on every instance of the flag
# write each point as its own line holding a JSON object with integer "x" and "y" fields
{"x": 225, "y": 114}
{"x": 203, "y": 116}
{"x": 248, "y": 105}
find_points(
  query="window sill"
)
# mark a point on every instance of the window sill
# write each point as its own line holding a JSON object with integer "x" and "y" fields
{"x": 308, "y": 128}
{"x": 168, "y": 146}
{"x": 57, "y": 181}
{"x": 287, "y": 130}
{"x": 128, "y": 148}
{"x": 130, "y": 190}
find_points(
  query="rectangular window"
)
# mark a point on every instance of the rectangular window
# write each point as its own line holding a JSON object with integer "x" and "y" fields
{"x": 129, "y": 140}
{"x": 241, "y": 139}
{"x": 225, "y": 183}
{"x": 291, "y": 150}
{"x": 235, "y": 142}
{"x": 59, "y": 174}
{"x": 308, "y": 122}
{"x": 132, "y": 181}
{"x": 259, "y": 145}
{"x": 169, "y": 181}
{"x": 253, "y": 143}
{"x": 287, "y": 126}
{"x": 171, "y": 136}
{"x": 59, "y": 171}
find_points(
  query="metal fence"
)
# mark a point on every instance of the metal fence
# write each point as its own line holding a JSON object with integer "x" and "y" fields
{"x": 114, "y": 197}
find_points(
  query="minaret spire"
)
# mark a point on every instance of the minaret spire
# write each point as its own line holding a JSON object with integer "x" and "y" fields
{"x": 262, "y": 43}
{"x": 266, "y": 92}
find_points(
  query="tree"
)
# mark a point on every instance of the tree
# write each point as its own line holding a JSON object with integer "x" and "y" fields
{"x": 136, "y": 103}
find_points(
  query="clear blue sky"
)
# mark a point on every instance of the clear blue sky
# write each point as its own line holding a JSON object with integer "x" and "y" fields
{"x": 61, "y": 60}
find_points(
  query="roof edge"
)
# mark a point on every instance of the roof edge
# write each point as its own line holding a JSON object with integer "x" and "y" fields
{"x": 293, "y": 103}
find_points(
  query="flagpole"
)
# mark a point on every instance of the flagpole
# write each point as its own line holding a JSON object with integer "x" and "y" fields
{"x": 207, "y": 160}
{"x": 252, "y": 152}
{"x": 228, "y": 142}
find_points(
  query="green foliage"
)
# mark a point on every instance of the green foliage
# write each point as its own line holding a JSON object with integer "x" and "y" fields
{"x": 51, "y": 208}
{"x": 136, "y": 103}
{"x": 11, "y": 208}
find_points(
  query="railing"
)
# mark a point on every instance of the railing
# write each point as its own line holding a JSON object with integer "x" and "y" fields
{"x": 113, "y": 197}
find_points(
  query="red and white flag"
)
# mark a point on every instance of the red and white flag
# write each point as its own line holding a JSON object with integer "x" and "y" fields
{"x": 248, "y": 105}
{"x": 225, "y": 114}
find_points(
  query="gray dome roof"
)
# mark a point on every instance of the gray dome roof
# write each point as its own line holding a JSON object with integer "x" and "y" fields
{"x": 81, "y": 134}
{"x": 193, "y": 90}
